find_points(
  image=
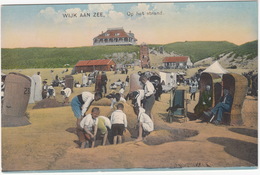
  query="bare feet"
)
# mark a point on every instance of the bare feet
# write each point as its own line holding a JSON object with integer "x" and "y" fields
{"x": 83, "y": 144}
{"x": 139, "y": 139}
{"x": 144, "y": 139}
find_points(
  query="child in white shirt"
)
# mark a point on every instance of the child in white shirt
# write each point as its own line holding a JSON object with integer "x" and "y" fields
{"x": 145, "y": 123}
{"x": 119, "y": 123}
{"x": 88, "y": 128}
{"x": 66, "y": 92}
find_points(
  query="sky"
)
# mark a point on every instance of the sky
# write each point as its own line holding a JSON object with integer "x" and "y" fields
{"x": 46, "y": 25}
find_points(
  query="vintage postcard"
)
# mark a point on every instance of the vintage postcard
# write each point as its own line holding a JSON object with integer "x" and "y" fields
{"x": 129, "y": 87}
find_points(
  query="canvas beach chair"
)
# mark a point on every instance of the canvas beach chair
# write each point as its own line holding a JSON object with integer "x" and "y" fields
{"x": 178, "y": 107}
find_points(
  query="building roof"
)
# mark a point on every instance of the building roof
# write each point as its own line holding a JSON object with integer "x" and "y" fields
{"x": 115, "y": 33}
{"x": 95, "y": 62}
{"x": 175, "y": 59}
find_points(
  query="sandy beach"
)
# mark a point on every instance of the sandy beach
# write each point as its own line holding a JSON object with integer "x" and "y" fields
{"x": 50, "y": 142}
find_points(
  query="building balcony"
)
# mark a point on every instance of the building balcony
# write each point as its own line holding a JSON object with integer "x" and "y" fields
{"x": 113, "y": 43}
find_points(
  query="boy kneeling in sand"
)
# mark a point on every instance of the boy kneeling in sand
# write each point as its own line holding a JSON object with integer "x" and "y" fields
{"x": 145, "y": 123}
{"x": 119, "y": 123}
{"x": 104, "y": 125}
{"x": 87, "y": 132}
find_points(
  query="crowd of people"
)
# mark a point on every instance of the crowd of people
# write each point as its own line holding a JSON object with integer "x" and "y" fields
{"x": 48, "y": 91}
{"x": 89, "y": 124}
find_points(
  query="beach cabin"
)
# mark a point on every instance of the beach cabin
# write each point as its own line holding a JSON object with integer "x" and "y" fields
{"x": 180, "y": 62}
{"x": 92, "y": 65}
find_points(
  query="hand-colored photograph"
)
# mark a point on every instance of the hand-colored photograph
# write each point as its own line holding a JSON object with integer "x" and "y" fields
{"x": 129, "y": 86}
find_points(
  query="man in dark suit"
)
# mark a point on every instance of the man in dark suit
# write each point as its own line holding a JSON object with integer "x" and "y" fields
{"x": 223, "y": 106}
{"x": 204, "y": 104}
{"x": 104, "y": 82}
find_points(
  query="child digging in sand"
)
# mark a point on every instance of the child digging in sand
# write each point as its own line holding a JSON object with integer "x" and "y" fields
{"x": 145, "y": 123}
{"x": 88, "y": 128}
{"x": 104, "y": 125}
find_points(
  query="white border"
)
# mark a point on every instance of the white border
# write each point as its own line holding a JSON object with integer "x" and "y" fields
{"x": 129, "y": 172}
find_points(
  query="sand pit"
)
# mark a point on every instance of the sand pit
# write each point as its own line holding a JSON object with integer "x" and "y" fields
{"x": 163, "y": 136}
{"x": 102, "y": 102}
{"x": 130, "y": 134}
{"x": 47, "y": 103}
{"x": 162, "y": 133}
{"x": 127, "y": 137}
